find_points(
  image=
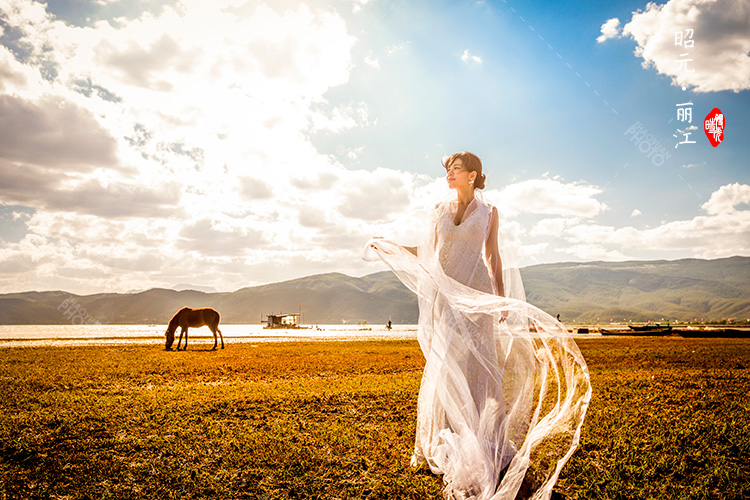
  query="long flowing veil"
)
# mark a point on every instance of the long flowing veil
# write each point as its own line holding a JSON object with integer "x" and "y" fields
{"x": 505, "y": 388}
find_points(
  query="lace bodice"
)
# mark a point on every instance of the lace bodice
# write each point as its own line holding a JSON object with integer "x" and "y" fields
{"x": 461, "y": 247}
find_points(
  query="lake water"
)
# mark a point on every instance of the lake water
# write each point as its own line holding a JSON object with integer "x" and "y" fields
{"x": 68, "y": 335}
{"x": 73, "y": 335}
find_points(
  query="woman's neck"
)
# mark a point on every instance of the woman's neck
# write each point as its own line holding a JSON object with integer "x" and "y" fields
{"x": 465, "y": 195}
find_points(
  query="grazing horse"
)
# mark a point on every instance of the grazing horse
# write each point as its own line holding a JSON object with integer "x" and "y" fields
{"x": 186, "y": 317}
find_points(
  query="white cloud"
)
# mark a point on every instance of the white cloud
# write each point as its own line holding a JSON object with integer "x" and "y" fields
{"x": 255, "y": 188}
{"x": 376, "y": 196}
{"x": 175, "y": 146}
{"x": 553, "y": 227}
{"x": 726, "y": 198}
{"x": 550, "y": 197}
{"x": 636, "y": 213}
{"x": 219, "y": 239}
{"x": 341, "y": 118}
{"x": 353, "y": 153}
{"x": 372, "y": 61}
{"x": 396, "y": 48}
{"x": 467, "y": 57}
{"x": 194, "y": 121}
{"x": 53, "y": 133}
{"x": 610, "y": 29}
{"x": 13, "y": 75}
{"x": 146, "y": 66}
{"x": 724, "y": 232}
{"x": 88, "y": 253}
{"x": 358, "y": 4}
{"x": 693, "y": 165}
{"x": 594, "y": 251}
{"x": 719, "y": 58}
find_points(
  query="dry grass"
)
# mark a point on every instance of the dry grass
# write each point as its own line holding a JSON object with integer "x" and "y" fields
{"x": 669, "y": 419}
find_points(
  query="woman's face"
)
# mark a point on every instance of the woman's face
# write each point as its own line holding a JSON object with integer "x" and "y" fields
{"x": 457, "y": 175}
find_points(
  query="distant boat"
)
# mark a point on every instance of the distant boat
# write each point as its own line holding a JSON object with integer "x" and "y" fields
{"x": 639, "y": 331}
{"x": 284, "y": 321}
{"x": 650, "y": 328}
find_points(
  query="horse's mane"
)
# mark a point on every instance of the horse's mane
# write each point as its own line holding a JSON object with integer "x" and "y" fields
{"x": 175, "y": 318}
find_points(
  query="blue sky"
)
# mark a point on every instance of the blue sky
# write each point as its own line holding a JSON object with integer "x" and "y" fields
{"x": 233, "y": 143}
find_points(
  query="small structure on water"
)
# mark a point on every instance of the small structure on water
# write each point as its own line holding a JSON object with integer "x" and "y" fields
{"x": 288, "y": 321}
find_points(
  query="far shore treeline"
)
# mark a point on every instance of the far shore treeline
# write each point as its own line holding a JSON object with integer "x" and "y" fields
{"x": 591, "y": 292}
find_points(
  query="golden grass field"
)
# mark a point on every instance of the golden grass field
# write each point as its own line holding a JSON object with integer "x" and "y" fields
{"x": 669, "y": 418}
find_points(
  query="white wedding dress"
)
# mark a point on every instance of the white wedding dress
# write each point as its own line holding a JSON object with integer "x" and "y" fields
{"x": 501, "y": 403}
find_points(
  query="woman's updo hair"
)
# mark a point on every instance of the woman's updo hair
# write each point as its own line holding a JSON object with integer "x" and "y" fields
{"x": 471, "y": 162}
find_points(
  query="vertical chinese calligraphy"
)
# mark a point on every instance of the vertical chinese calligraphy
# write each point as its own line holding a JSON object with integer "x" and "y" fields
{"x": 685, "y": 40}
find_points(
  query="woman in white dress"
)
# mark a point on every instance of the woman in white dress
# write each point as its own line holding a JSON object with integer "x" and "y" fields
{"x": 505, "y": 389}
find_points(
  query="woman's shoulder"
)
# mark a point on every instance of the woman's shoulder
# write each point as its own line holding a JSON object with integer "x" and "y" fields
{"x": 441, "y": 206}
{"x": 492, "y": 209}
{"x": 486, "y": 203}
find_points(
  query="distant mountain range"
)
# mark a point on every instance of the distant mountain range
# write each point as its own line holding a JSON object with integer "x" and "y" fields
{"x": 579, "y": 292}
{"x": 642, "y": 290}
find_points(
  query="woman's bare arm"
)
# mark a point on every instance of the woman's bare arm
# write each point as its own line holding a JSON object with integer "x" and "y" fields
{"x": 410, "y": 249}
{"x": 492, "y": 254}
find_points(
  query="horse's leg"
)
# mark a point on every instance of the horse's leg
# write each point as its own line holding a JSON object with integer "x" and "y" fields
{"x": 214, "y": 329}
{"x": 186, "y": 337}
{"x": 183, "y": 330}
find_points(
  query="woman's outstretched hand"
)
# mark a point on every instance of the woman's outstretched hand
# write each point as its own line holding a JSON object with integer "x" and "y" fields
{"x": 383, "y": 248}
{"x": 503, "y": 316}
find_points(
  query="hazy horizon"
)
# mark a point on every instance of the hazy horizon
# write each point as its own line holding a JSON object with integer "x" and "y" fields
{"x": 199, "y": 288}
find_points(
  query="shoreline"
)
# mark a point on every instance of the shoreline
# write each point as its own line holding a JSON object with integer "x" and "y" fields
{"x": 34, "y": 336}
{"x": 202, "y": 341}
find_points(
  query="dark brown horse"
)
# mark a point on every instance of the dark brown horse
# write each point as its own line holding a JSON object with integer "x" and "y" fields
{"x": 186, "y": 317}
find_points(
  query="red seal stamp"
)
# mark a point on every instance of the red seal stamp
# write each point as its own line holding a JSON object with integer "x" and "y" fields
{"x": 714, "y": 126}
